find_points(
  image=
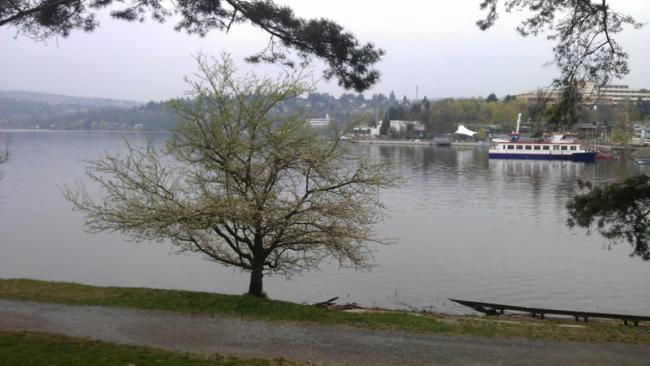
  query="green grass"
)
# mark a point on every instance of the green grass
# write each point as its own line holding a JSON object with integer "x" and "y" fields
{"x": 27, "y": 349}
{"x": 247, "y": 307}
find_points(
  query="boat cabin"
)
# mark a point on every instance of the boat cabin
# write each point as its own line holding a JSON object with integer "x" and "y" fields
{"x": 538, "y": 147}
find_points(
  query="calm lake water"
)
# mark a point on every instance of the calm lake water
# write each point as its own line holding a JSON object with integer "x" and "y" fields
{"x": 465, "y": 226}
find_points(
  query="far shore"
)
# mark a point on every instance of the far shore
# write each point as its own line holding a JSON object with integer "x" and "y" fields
{"x": 422, "y": 142}
{"x": 79, "y": 130}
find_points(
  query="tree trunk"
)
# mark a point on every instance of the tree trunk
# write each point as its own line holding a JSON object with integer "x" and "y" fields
{"x": 255, "y": 287}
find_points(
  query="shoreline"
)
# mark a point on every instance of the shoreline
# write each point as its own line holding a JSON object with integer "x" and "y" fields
{"x": 303, "y": 343}
{"x": 251, "y": 308}
{"x": 11, "y": 130}
{"x": 418, "y": 143}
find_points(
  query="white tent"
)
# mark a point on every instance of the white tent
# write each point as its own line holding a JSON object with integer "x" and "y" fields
{"x": 462, "y": 130}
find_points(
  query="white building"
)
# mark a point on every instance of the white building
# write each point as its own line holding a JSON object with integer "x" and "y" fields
{"x": 401, "y": 126}
{"x": 608, "y": 94}
{"x": 368, "y": 131}
{"x": 617, "y": 93}
{"x": 320, "y": 122}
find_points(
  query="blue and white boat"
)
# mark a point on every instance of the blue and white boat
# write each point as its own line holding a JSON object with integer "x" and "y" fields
{"x": 562, "y": 146}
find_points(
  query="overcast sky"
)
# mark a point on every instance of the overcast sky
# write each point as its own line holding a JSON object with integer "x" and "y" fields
{"x": 433, "y": 44}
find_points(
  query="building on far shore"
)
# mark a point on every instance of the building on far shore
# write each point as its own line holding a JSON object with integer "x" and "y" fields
{"x": 414, "y": 129}
{"x": 320, "y": 122}
{"x": 592, "y": 94}
{"x": 402, "y": 126}
{"x": 367, "y": 131}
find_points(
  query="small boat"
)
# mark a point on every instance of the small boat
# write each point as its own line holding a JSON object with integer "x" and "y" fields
{"x": 645, "y": 161}
{"x": 442, "y": 140}
{"x": 562, "y": 146}
{"x": 604, "y": 156}
{"x": 443, "y": 143}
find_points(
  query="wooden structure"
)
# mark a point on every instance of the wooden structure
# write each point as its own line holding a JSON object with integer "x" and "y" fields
{"x": 497, "y": 309}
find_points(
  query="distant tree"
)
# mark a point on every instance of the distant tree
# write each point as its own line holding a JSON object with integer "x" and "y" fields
{"x": 313, "y": 98}
{"x": 378, "y": 98}
{"x": 618, "y": 211}
{"x": 241, "y": 184}
{"x": 399, "y": 112}
{"x": 621, "y": 135}
{"x": 361, "y": 117}
{"x": 444, "y": 116}
{"x": 426, "y": 103}
{"x": 509, "y": 98}
{"x": 492, "y": 98}
{"x": 415, "y": 109}
{"x": 586, "y": 50}
{"x": 4, "y": 149}
{"x": 350, "y": 62}
{"x": 624, "y": 113}
{"x": 644, "y": 108}
{"x": 481, "y": 135}
{"x": 4, "y": 152}
{"x": 347, "y": 99}
{"x": 567, "y": 111}
{"x": 391, "y": 97}
{"x": 385, "y": 125}
{"x": 502, "y": 114}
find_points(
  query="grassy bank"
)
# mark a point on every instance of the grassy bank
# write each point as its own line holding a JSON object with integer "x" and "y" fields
{"x": 37, "y": 349}
{"x": 247, "y": 307}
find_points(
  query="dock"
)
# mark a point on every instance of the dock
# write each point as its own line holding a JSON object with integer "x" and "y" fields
{"x": 498, "y": 309}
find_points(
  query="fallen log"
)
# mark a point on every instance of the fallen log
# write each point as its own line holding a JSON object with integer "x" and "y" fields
{"x": 330, "y": 304}
{"x": 327, "y": 303}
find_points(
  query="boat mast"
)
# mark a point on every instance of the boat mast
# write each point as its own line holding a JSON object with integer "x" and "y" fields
{"x": 518, "y": 122}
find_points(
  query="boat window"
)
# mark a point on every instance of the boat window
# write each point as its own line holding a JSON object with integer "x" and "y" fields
{"x": 564, "y": 147}
{"x": 572, "y": 148}
{"x": 546, "y": 147}
{"x": 556, "y": 147}
{"x": 519, "y": 147}
{"x": 511, "y": 147}
{"x": 528, "y": 147}
{"x": 537, "y": 147}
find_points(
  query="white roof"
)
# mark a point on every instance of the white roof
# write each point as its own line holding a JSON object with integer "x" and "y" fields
{"x": 462, "y": 130}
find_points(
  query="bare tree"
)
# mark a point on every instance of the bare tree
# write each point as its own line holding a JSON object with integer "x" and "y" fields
{"x": 348, "y": 60}
{"x": 242, "y": 184}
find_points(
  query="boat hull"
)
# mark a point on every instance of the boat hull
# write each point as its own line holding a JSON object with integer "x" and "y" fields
{"x": 585, "y": 157}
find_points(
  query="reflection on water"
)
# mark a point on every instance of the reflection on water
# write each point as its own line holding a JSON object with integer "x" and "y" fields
{"x": 466, "y": 227}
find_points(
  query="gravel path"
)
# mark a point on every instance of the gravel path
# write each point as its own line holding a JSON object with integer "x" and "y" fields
{"x": 321, "y": 344}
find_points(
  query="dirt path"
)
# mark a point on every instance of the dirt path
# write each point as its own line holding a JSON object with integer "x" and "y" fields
{"x": 322, "y": 344}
